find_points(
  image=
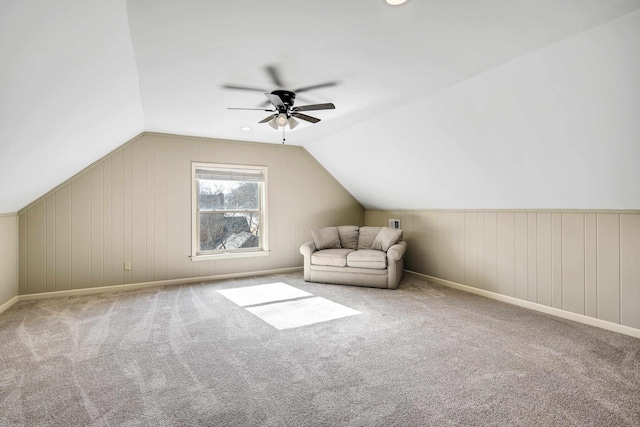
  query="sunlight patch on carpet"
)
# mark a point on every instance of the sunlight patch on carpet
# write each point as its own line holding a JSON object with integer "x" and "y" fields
{"x": 261, "y": 294}
{"x": 284, "y": 306}
{"x": 293, "y": 314}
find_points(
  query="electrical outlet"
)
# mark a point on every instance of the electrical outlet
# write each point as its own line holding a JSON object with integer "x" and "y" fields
{"x": 127, "y": 266}
{"x": 394, "y": 223}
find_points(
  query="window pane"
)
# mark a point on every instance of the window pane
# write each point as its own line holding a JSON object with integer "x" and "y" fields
{"x": 228, "y": 195}
{"x": 227, "y": 231}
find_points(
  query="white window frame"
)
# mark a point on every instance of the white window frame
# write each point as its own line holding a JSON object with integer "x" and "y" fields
{"x": 263, "y": 249}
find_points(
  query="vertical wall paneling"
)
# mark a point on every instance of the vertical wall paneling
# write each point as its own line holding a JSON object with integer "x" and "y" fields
{"x": 51, "y": 242}
{"x": 81, "y": 231}
{"x": 23, "y": 253}
{"x": 471, "y": 249}
{"x": 556, "y": 260}
{"x": 481, "y": 252}
{"x": 37, "y": 247}
{"x": 135, "y": 206}
{"x": 445, "y": 259}
{"x": 128, "y": 212}
{"x": 139, "y": 207}
{"x": 429, "y": 230}
{"x": 10, "y": 268}
{"x": 460, "y": 256}
{"x": 201, "y": 155}
{"x": 432, "y": 231}
{"x": 173, "y": 203}
{"x": 458, "y": 227}
{"x": 274, "y": 181}
{"x": 490, "y": 252}
{"x": 427, "y": 258}
{"x": 590, "y": 266}
{"x": 107, "y": 224}
{"x": 573, "y": 284}
{"x": 505, "y": 261}
{"x": 417, "y": 238}
{"x": 280, "y": 159}
{"x": 97, "y": 225}
{"x": 451, "y": 249}
{"x": 185, "y": 206}
{"x": 580, "y": 262}
{"x": 630, "y": 270}
{"x": 543, "y": 229}
{"x": 160, "y": 209}
{"x": 117, "y": 217}
{"x": 521, "y": 256}
{"x": 532, "y": 257}
{"x": 608, "y": 258}
{"x": 63, "y": 238}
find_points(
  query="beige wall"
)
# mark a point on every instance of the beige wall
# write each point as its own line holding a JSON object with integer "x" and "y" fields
{"x": 135, "y": 205}
{"x": 8, "y": 257}
{"x": 582, "y": 262}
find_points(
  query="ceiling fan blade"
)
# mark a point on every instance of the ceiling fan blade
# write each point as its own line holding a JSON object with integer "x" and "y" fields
{"x": 318, "y": 86}
{"x": 266, "y": 119}
{"x": 275, "y": 100}
{"x": 243, "y": 88}
{"x": 275, "y": 75}
{"x": 328, "y": 106}
{"x": 255, "y": 109}
{"x": 305, "y": 117}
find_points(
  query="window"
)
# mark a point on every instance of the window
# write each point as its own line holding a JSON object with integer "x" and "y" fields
{"x": 229, "y": 210}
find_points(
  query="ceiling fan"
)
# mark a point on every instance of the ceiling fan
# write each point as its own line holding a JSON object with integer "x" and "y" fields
{"x": 282, "y": 102}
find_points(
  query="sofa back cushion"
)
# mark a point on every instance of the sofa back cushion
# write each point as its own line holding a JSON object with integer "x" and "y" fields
{"x": 386, "y": 238}
{"x": 348, "y": 236}
{"x": 366, "y": 236}
{"x": 326, "y": 238}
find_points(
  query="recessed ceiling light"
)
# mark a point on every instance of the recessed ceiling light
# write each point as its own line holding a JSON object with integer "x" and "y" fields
{"x": 395, "y": 2}
{"x": 245, "y": 128}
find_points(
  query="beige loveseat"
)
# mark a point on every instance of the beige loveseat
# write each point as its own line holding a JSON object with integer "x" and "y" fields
{"x": 352, "y": 255}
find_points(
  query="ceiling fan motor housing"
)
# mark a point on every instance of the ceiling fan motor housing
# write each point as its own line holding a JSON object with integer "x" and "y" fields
{"x": 287, "y": 97}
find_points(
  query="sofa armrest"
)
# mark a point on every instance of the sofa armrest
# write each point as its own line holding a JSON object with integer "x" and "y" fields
{"x": 307, "y": 249}
{"x": 395, "y": 264}
{"x": 396, "y": 252}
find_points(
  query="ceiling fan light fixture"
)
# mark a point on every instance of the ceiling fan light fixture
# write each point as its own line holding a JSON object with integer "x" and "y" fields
{"x": 292, "y": 123}
{"x": 273, "y": 123}
{"x": 395, "y": 2}
{"x": 281, "y": 120}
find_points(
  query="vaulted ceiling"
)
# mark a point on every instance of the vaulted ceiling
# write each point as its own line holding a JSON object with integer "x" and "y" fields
{"x": 440, "y": 104}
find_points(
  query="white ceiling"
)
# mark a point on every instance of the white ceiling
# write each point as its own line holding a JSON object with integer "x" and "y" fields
{"x": 82, "y": 77}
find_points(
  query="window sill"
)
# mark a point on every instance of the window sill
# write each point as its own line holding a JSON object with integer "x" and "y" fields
{"x": 229, "y": 255}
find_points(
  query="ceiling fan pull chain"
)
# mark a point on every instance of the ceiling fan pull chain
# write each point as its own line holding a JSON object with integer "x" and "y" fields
{"x": 283, "y": 127}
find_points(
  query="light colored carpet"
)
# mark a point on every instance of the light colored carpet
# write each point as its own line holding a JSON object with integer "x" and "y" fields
{"x": 420, "y": 355}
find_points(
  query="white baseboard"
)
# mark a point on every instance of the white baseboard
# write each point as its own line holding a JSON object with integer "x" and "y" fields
{"x": 135, "y": 286}
{"x": 610, "y": 326}
{"x": 8, "y": 304}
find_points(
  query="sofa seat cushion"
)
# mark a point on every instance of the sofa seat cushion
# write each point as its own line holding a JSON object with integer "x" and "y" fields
{"x": 331, "y": 257}
{"x": 367, "y": 258}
